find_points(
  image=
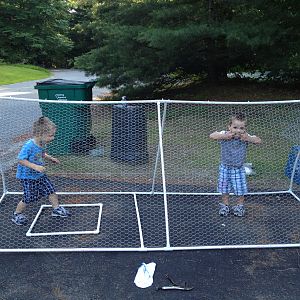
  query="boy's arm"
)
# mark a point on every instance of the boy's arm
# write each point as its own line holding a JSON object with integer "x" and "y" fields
{"x": 251, "y": 138}
{"x": 221, "y": 135}
{"x": 51, "y": 158}
{"x": 31, "y": 165}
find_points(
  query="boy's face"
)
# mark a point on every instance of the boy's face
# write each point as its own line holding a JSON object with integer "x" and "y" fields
{"x": 237, "y": 128}
{"x": 49, "y": 137}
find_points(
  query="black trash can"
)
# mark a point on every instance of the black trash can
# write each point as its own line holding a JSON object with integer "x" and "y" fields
{"x": 129, "y": 134}
{"x": 291, "y": 162}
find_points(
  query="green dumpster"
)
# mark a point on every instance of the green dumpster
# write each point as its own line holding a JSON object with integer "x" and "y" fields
{"x": 73, "y": 121}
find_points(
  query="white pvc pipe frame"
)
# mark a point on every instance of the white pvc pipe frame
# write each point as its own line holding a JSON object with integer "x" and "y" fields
{"x": 95, "y": 231}
{"x": 160, "y": 153}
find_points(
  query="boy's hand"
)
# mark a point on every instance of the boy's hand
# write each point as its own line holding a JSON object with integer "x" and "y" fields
{"x": 245, "y": 137}
{"x": 40, "y": 169}
{"x": 55, "y": 160}
{"x": 251, "y": 139}
{"x": 52, "y": 159}
{"x": 228, "y": 136}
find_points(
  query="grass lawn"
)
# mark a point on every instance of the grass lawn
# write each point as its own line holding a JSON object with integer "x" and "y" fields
{"x": 18, "y": 73}
{"x": 190, "y": 156}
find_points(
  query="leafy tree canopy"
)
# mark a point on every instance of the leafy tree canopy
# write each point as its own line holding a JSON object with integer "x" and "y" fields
{"x": 34, "y": 31}
{"x": 143, "y": 41}
{"x": 81, "y": 30}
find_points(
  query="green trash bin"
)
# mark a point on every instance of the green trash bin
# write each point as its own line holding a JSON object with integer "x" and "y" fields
{"x": 73, "y": 121}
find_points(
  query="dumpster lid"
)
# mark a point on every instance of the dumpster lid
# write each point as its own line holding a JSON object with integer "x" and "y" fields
{"x": 58, "y": 81}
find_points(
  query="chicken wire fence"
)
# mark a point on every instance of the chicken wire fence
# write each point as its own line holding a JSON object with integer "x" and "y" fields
{"x": 142, "y": 175}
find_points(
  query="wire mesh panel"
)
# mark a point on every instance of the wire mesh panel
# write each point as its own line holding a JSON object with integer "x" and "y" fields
{"x": 192, "y": 158}
{"x": 295, "y": 187}
{"x": 16, "y": 125}
{"x": 118, "y": 229}
{"x": 101, "y": 148}
{"x": 153, "y": 170}
{"x": 106, "y": 149}
{"x": 270, "y": 220}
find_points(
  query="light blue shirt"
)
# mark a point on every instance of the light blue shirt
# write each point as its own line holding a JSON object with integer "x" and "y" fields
{"x": 34, "y": 154}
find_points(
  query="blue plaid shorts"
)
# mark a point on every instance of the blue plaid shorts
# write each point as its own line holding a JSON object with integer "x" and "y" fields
{"x": 232, "y": 178}
{"x": 34, "y": 189}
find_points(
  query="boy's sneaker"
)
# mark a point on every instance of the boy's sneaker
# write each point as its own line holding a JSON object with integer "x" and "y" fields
{"x": 239, "y": 210}
{"x": 60, "y": 212}
{"x": 224, "y": 210}
{"x": 19, "y": 219}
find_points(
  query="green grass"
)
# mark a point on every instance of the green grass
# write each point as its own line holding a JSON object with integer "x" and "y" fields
{"x": 190, "y": 156}
{"x": 19, "y": 73}
{"x": 188, "y": 152}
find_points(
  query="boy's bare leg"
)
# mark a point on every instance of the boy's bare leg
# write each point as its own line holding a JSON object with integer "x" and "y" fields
{"x": 53, "y": 200}
{"x": 20, "y": 207}
{"x": 225, "y": 199}
{"x": 241, "y": 200}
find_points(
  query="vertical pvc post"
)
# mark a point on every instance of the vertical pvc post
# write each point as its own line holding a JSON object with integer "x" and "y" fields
{"x": 163, "y": 175}
{"x": 294, "y": 170}
{"x": 158, "y": 149}
{"x": 3, "y": 185}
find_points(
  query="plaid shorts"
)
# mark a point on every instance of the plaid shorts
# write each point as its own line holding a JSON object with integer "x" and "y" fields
{"x": 34, "y": 189}
{"x": 232, "y": 178}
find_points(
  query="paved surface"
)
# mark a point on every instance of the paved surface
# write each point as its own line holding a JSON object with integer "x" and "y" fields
{"x": 260, "y": 274}
{"x": 29, "y": 111}
{"x": 26, "y": 89}
{"x": 215, "y": 275}
{"x": 193, "y": 221}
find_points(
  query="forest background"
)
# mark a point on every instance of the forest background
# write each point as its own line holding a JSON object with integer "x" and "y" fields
{"x": 184, "y": 49}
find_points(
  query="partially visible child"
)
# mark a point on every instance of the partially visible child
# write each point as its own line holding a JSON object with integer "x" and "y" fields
{"x": 232, "y": 175}
{"x": 31, "y": 171}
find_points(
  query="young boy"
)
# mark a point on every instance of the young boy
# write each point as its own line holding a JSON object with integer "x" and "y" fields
{"x": 234, "y": 143}
{"x": 31, "y": 171}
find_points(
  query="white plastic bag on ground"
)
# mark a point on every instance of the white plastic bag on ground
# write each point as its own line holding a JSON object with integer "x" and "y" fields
{"x": 144, "y": 275}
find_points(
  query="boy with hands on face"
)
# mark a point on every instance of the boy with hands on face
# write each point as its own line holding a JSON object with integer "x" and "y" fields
{"x": 232, "y": 176}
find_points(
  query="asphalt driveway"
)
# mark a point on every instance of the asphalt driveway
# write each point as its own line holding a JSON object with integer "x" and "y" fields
{"x": 260, "y": 274}
{"x": 26, "y": 89}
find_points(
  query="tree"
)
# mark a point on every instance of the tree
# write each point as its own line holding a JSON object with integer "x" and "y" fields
{"x": 34, "y": 31}
{"x": 81, "y": 26}
{"x": 143, "y": 41}
{"x": 269, "y": 29}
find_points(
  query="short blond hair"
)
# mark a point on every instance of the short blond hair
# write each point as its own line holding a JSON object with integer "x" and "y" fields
{"x": 42, "y": 126}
